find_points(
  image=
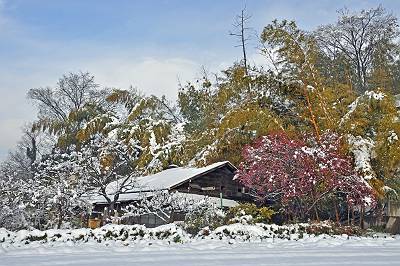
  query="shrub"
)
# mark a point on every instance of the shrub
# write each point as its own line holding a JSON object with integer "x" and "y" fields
{"x": 201, "y": 216}
{"x": 37, "y": 237}
{"x": 177, "y": 239}
{"x": 249, "y": 210}
{"x": 330, "y": 228}
{"x": 304, "y": 172}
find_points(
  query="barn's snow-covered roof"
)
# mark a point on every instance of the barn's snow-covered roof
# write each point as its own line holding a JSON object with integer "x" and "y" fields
{"x": 165, "y": 180}
{"x": 173, "y": 177}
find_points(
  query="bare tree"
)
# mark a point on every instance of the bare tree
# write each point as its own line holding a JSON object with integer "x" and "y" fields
{"x": 65, "y": 108}
{"x": 72, "y": 92}
{"x": 357, "y": 37}
{"x": 22, "y": 159}
{"x": 241, "y": 33}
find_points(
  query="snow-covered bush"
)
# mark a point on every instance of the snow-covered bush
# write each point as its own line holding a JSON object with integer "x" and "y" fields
{"x": 260, "y": 231}
{"x": 203, "y": 214}
{"x": 12, "y": 218}
{"x": 127, "y": 235}
{"x": 124, "y": 234}
{"x": 57, "y": 189}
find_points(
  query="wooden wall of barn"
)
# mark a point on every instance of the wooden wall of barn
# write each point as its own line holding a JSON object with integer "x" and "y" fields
{"x": 213, "y": 183}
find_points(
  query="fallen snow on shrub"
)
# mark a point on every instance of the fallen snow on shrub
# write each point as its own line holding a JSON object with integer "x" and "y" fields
{"x": 247, "y": 232}
{"x": 123, "y": 234}
{"x": 127, "y": 235}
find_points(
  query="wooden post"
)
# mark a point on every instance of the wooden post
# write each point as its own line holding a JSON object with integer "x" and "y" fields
{"x": 348, "y": 214}
{"x": 362, "y": 217}
{"x": 337, "y": 212}
{"x": 316, "y": 213}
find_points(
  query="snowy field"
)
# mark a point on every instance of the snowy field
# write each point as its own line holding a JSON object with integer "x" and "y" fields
{"x": 318, "y": 251}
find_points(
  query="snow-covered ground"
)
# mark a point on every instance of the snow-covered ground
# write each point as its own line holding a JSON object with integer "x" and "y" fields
{"x": 318, "y": 251}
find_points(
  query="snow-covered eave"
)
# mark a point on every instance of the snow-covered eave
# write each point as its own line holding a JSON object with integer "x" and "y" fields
{"x": 124, "y": 197}
{"x": 146, "y": 194}
{"x": 222, "y": 164}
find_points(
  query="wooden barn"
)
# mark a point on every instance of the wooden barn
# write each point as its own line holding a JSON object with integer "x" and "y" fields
{"x": 216, "y": 182}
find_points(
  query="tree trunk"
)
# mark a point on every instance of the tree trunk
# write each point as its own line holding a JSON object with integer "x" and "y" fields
{"x": 337, "y": 214}
{"x": 111, "y": 209}
{"x": 362, "y": 217}
{"x": 316, "y": 213}
{"x": 243, "y": 40}
{"x": 348, "y": 214}
{"x": 312, "y": 116}
{"x": 60, "y": 216}
{"x": 379, "y": 219}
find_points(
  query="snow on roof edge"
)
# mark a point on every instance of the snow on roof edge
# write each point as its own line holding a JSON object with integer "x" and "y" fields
{"x": 136, "y": 196}
{"x": 210, "y": 168}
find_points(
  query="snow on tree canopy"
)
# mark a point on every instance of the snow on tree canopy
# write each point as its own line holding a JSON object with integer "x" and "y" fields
{"x": 362, "y": 149}
{"x": 375, "y": 95}
{"x": 367, "y": 96}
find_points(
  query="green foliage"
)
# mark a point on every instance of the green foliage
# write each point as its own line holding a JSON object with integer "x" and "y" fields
{"x": 297, "y": 52}
{"x": 225, "y": 116}
{"x": 152, "y": 127}
{"x": 258, "y": 214}
{"x": 375, "y": 116}
{"x": 196, "y": 104}
{"x": 295, "y": 47}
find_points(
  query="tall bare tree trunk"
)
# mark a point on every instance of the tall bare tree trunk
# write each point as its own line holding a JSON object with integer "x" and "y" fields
{"x": 240, "y": 32}
{"x": 243, "y": 40}
{"x": 313, "y": 120}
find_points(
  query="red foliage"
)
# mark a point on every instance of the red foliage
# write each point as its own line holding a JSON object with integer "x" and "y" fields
{"x": 277, "y": 166}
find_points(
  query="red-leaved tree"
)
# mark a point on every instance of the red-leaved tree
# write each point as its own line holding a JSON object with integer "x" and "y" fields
{"x": 302, "y": 174}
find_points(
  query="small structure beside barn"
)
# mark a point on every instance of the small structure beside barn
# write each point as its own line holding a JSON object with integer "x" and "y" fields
{"x": 215, "y": 181}
{"x": 393, "y": 213}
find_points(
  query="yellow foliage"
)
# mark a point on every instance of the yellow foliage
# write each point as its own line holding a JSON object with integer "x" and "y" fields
{"x": 106, "y": 161}
{"x": 378, "y": 185}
